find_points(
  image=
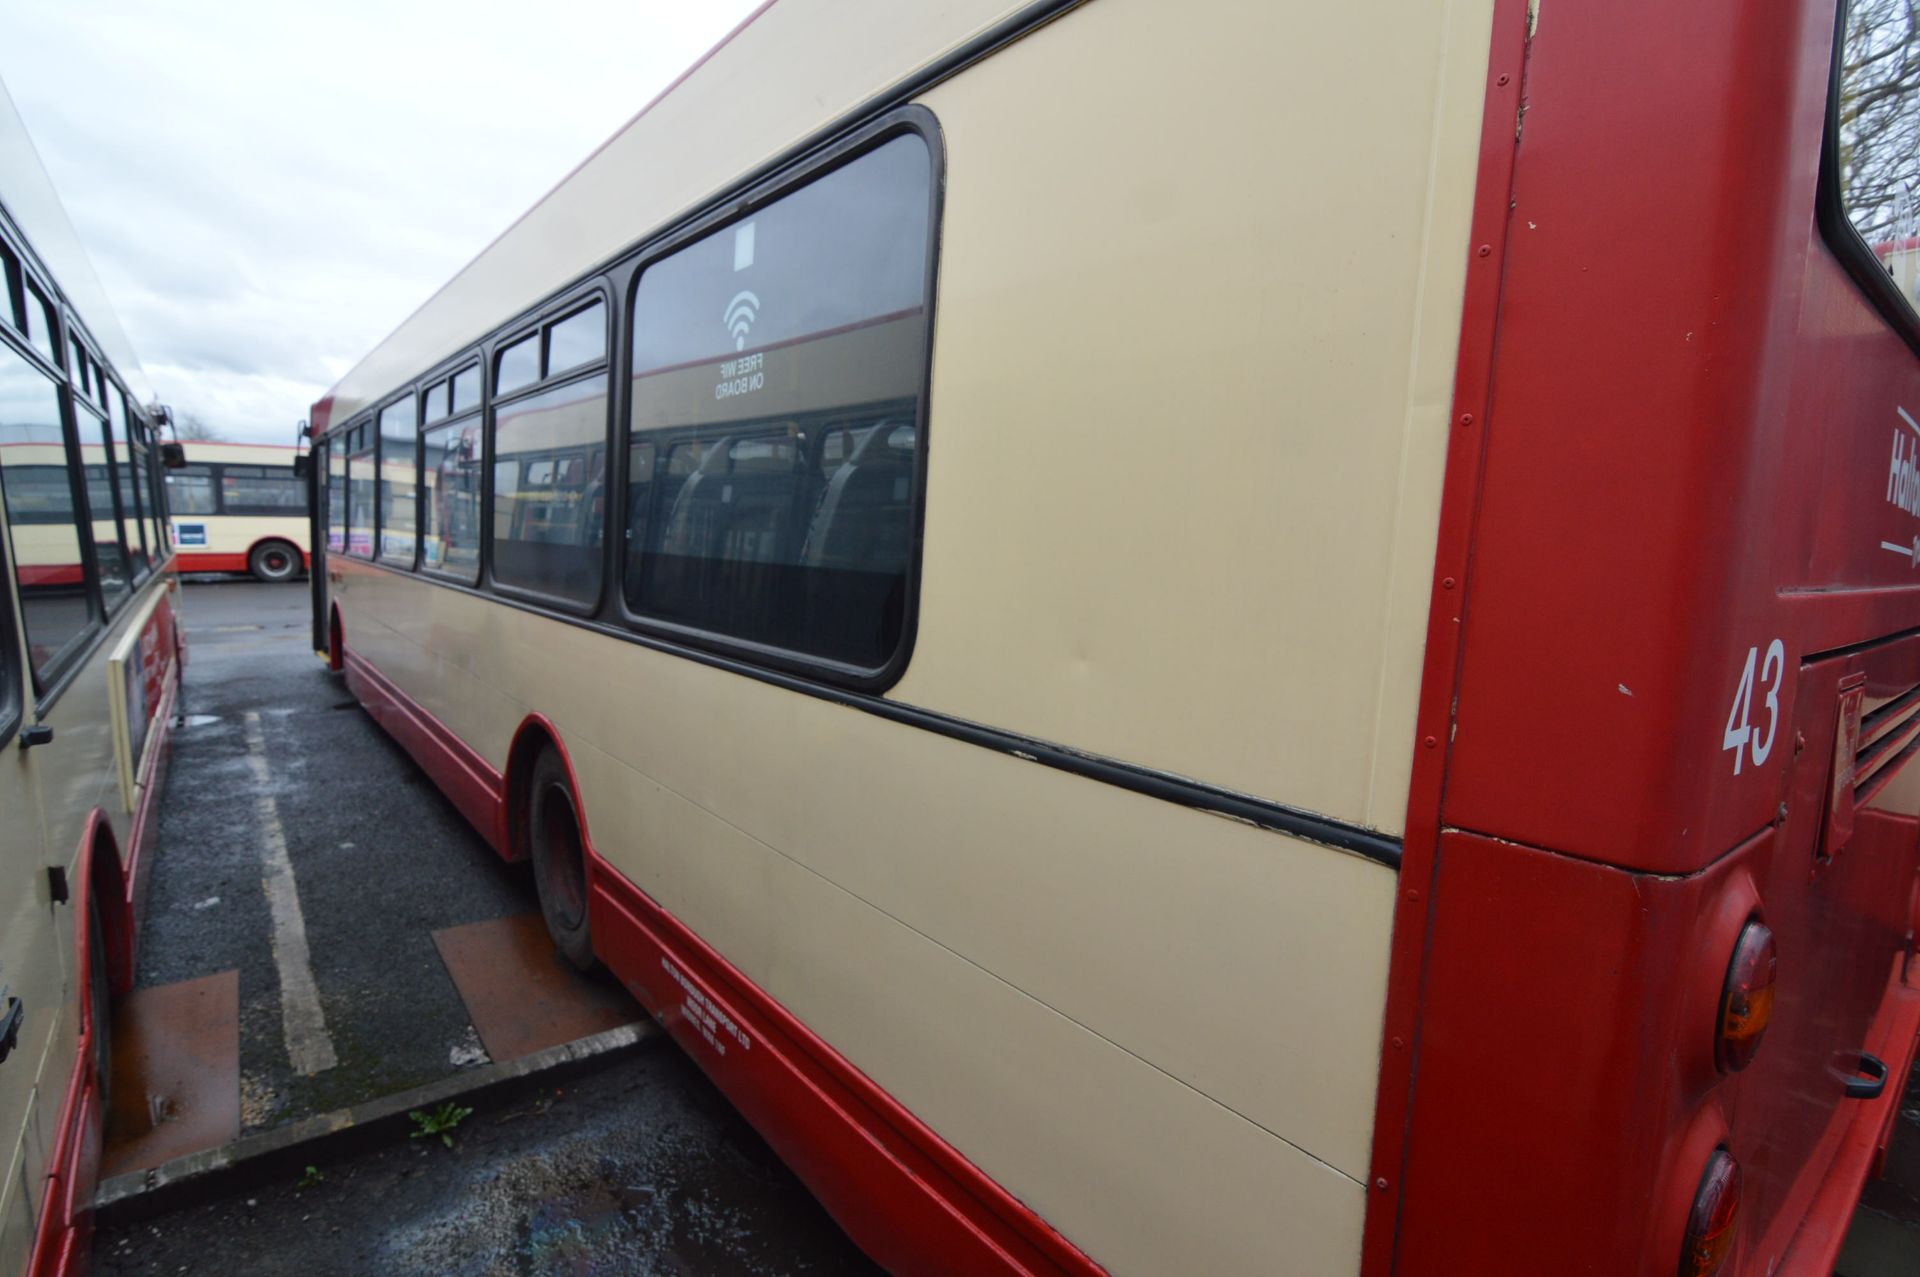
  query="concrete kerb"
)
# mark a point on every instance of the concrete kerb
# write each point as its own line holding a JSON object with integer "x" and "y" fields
{"x": 286, "y": 1151}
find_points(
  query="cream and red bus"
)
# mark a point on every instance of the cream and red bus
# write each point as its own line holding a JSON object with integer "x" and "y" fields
{"x": 1231, "y": 638}
{"x": 238, "y": 507}
{"x": 89, "y": 681}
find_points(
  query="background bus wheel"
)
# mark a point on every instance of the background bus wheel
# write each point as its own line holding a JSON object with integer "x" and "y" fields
{"x": 273, "y": 561}
{"x": 559, "y": 859}
{"x": 100, "y": 1005}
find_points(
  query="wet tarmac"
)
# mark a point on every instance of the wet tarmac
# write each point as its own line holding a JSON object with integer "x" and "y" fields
{"x": 641, "y": 1167}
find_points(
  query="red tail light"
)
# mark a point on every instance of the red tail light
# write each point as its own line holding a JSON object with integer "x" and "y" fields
{"x": 1746, "y": 1003}
{"x": 1710, "y": 1225}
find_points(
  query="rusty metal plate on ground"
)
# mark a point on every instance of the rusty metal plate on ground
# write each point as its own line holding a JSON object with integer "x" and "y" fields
{"x": 520, "y": 994}
{"x": 176, "y": 1072}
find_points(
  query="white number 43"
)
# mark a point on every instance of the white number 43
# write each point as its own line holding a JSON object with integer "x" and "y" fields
{"x": 1742, "y": 738}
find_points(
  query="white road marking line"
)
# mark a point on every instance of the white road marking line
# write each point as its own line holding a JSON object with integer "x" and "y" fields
{"x": 309, "y": 1046}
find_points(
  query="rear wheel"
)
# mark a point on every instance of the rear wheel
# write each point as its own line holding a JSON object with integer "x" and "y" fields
{"x": 273, "y": 561}
{"x": 559, "y": 858}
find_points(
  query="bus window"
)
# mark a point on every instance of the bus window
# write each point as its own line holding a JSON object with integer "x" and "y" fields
{"x": 790, "y": 433}
{"x": 36, "y": 483}
{"x": 577, "y": 340}
{"x": 1879, "y": 119}
{"x": 434, "y": 402}
{"x": 519, "y": 366}
{"x": 130, "y": 509}
{"x": 337, "y": 494}
{"x": 40, "y": 324}
{"x": 360, "y": 494}
{"x": 190, "y": 491}
{"x": 261, "y": 491}
{"x": 399, "y": 465}
{"x": 450, "y": 525}
{"x": 109, "y": 554}
{"x": 466, "y": 389}
{"x": 549, "y": 490}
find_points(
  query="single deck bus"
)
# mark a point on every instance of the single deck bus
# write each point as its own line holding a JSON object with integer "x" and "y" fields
{"x": 238, "y": 507}
{"x": 1231, "y": 638}
{"x": 89, "y": 680}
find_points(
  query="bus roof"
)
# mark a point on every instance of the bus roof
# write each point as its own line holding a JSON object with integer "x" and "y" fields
{"x": 29, "y": 198}
{"x": 790, "y": 68}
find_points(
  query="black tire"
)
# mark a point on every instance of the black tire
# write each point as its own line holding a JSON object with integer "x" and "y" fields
{"x": 559, "y": 859}
{"x": 273, "y": 562}
{"x": 100, "y": 1005}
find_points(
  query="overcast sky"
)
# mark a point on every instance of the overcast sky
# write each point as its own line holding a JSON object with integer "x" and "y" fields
{"x": 267, "y": 189}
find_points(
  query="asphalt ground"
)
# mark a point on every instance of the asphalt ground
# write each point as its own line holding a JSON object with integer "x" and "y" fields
{"x": 640, "y": 1167}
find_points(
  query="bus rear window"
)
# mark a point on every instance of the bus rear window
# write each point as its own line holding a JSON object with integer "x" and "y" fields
{"x": 774, "y": 439}
{"x": 1877, "y": 134}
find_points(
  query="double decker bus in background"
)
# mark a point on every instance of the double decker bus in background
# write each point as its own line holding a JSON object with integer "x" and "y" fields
{"x": 1309, "y": 669}
{"x": 238, "y": 507}
{"x": 89, "y": 680}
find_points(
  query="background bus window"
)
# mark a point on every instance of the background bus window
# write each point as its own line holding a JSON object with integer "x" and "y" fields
{"x": 36, "y": 484}
{"x": 788, "y": 434}
{"x": 450, "y": 530}
{"x": 123, "y": 469}
{"x": 262, "y": 491}
{"x": 109, "y": 555}
{"x": 1879, "y": 127}
{"x": 399, "y": 465}
{"x": 549, "y": 490}
{"x": 337, "y": 494}
{"x": 190, "y": 490}
{"x": 360, "y": 495}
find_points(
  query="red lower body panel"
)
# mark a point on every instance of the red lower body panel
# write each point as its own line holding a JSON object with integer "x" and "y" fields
{"x": 909, "y": 1198}
{"x": 185, "y": 561}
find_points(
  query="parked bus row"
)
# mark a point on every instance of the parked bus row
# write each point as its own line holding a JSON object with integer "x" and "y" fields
{"x": 1219, "y": 638}
{"x": 89, "y": 681}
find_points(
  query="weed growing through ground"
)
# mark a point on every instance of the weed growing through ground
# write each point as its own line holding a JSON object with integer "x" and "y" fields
{"x": 311, "y": 1179}
{"x": 440, "y": 1121}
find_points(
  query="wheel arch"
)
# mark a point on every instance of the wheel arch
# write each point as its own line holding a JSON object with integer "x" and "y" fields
{"x": 101, "y": 878}
{"x": 536, "y": 731}
{"x": 275, "y": 538}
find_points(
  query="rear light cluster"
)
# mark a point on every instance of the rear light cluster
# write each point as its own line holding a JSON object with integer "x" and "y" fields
{"x": 1745, "y": 1010}
{"x": 1746, "y": 1002}
{"x": 1710, "y": 1224}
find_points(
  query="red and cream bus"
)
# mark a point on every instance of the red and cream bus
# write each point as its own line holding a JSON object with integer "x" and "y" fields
{"x": 1217, "y": 638}
{"x": 238, "y": 507}
{"x": 89, "y": 680}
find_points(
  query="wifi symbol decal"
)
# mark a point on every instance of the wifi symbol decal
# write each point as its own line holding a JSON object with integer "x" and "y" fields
{"x": 741, "y": 312}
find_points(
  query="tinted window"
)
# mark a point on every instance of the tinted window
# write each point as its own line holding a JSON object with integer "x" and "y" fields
{"x": 433, "y": 402}
{"x": 35, "y": 482}
{"x": 109, "y": 556}
{"x": 337, "y": 494}
{"x": 360, "y": 495}
{"x": 519, "y": 365}
{"x": 774, "y": 445}
{"x": 261, "y": 490}
{"x": 466, "y": 389}
{"x": 131, "y": 507}
{"x": 578, "y": 339}
{"x": 399, "y": 463}
{"x": 40, "y": 325}
{"x": 549, "y": 491}
{"x": 1879, "y": 127}
{"x": 450, "y": 513}
{"x": 190, "y": 490}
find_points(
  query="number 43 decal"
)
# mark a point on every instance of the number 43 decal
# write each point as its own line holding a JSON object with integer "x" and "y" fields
{"x": 1742, "y": 737}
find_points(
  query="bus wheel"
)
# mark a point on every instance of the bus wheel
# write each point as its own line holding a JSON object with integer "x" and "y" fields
{"x": 559, "y": 859}
{"x": 273, "y": 561}
{"x": 100, "y": 1005}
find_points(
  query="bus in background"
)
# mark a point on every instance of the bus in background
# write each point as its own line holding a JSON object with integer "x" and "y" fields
{"x": 238, "y": 507}
{"x": 1070, "y": 642}
{"x": 89, "y": 681}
